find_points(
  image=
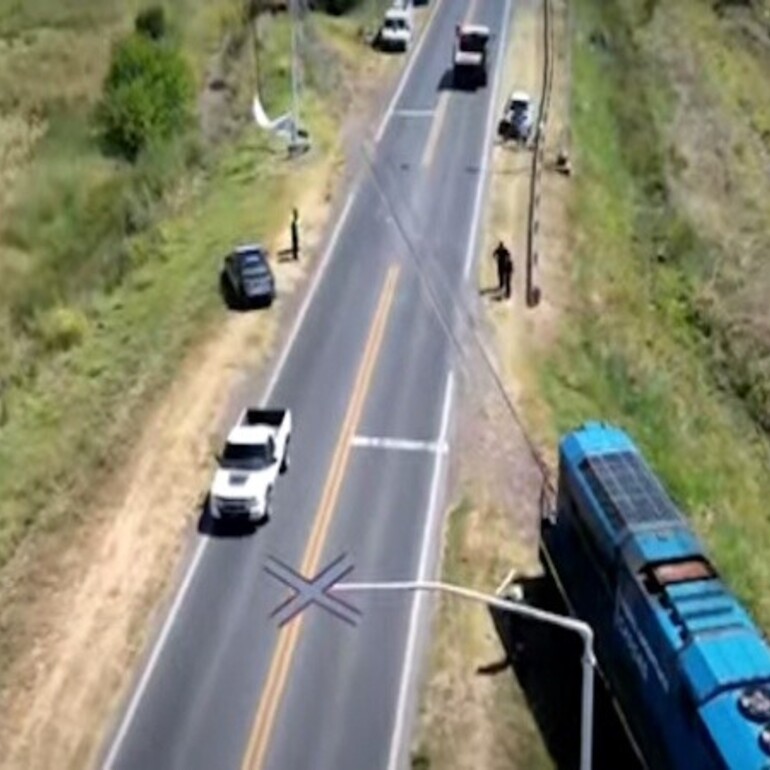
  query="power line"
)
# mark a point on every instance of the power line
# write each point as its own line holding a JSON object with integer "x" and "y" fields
{"x": 466, "y": 315}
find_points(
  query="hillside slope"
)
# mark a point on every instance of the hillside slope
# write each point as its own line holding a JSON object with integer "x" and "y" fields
{"x": 667, "y": 279}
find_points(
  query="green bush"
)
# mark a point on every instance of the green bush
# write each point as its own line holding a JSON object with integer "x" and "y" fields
{"x": 151, "y": 22}
{"x": 147, "y": 96}
{"x": 61, "y": 328}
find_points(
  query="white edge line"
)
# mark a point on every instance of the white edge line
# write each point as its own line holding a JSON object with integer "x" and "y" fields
{"x": 138, "y": 694}
{"x": 469, "y": 254}
{"x": 405, "y": 74}
{"x": 149, "y": 669}
{"x": 397, "y": 738}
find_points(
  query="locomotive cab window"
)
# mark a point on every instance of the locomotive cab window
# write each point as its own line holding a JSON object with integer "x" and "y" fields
{"x": 657, "y": 576}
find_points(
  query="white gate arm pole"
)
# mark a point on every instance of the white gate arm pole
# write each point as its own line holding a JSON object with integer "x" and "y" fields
{"x": 585, "y": 632}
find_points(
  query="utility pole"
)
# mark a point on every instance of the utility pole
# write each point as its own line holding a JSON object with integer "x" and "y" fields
{"x": 253, "y": 13}
{"x": 294, "y": 73}
{"x": 298, "y": 141}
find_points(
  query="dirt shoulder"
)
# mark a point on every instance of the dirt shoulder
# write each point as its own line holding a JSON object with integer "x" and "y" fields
{"x": 87, "y": 622}
{"x": 474, "y": 713}
{"x": 85, "y": 602}
{"x": 520, "y": 335}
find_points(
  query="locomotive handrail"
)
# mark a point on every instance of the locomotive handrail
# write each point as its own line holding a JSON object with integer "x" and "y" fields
{"x": 588, "y": 660}
{"x": 547, "y": 500}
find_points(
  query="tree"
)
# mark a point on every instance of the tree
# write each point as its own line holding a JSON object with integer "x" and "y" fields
{"x": 151, "y": 22}
{"x": 147, "y": 96}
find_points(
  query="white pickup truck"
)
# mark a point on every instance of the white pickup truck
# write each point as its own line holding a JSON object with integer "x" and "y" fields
{"x": 256, "y": 451}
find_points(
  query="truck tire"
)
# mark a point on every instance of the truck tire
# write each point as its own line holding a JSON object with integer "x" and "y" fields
{"x": 267, "y": 513}
{"x": 286, "y": 461}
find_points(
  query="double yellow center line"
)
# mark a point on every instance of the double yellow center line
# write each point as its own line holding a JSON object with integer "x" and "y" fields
{"x": 288, "y": 637}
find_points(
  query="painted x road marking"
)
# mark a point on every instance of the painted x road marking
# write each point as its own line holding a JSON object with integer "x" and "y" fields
{"x": 308, "y": 591}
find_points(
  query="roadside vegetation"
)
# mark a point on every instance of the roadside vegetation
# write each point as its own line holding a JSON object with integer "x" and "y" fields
{"x": 147, "y": 92}
{"x": 128, "y": 169}
{"x": 126, "y": 361}
{"x": 473, "y": 712}
{"x": 668, "y": 285}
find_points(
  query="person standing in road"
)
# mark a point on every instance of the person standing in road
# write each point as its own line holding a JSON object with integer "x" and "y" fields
{"x": 295, "y": 234}
{"x": 502, "y": 256}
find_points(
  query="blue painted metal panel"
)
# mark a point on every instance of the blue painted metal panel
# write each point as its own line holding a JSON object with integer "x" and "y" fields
{"x": 735, "y": 739}
{"x": 721, "y": 661}
{"x": 675, "y": 543}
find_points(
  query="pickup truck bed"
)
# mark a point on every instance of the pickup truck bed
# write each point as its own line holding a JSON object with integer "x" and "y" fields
{"x": 272, "y": 417}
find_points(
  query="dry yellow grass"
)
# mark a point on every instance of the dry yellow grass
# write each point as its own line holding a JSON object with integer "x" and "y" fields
{"x": 83, "y": 632}
{"x": 470, "y": 720}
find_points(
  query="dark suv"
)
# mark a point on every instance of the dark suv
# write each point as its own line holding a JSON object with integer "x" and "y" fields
{"x": 247, "y": 276}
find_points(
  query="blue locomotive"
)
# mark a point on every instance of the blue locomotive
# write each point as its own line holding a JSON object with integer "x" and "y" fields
{"x": 688, "y": 668}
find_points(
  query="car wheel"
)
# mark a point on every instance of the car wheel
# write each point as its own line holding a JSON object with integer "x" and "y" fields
{"x": 226, "y": 289}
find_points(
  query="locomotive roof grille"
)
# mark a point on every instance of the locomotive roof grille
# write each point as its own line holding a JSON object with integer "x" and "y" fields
{"x": 629, "y": 493}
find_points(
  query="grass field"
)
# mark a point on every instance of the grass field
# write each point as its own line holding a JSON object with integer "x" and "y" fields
{"x": 636, "y": 351}
{"x": 108, "y": 271}
{"x": 124, "y": 360}
{"x": 468, "y": 718}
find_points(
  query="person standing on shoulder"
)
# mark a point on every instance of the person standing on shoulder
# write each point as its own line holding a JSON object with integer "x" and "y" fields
{"x": 295, "y": 235}
{"x": 502, "y": 256}
{"x": 507, "y": 274}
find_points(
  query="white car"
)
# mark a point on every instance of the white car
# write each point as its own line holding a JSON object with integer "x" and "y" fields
{"x": 396, "y": 31}
{"x": 518, "y": 118}
{"x": 255, "y": 453}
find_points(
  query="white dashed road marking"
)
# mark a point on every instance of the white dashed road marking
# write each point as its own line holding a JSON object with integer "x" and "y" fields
{"x": 402, "y": 444}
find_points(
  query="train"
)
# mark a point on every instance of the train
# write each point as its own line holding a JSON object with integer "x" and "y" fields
{"x": 687, "y": 667}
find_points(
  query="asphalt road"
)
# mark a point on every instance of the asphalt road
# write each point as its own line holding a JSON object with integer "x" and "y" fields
{"x": 222, "y": 687}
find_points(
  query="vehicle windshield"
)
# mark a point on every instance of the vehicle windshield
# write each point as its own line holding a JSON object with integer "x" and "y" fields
{"x": 473, "y": 43}
{"x": 247, "y": 457}
{"x": 519, "y": 107}
{"x": 395, "y": 24}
